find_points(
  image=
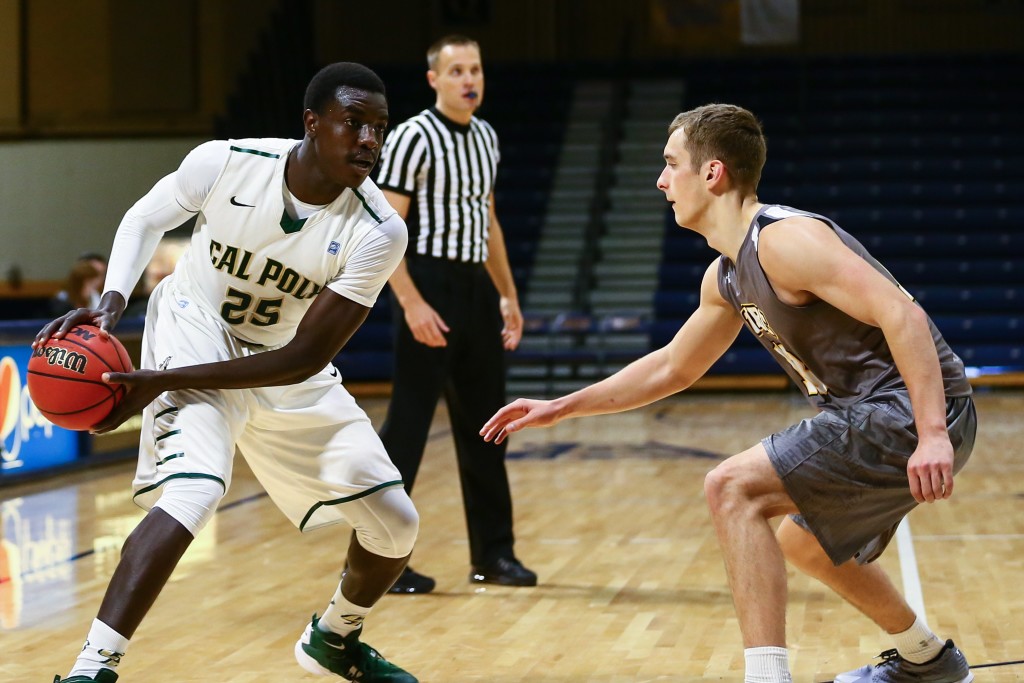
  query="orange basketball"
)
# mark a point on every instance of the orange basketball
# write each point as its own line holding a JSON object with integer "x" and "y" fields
{"x": 65, "y": 377}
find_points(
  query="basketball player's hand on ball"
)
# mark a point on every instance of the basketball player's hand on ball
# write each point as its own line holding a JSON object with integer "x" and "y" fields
{"x": 104, "y": 317}
{"x": 143, "y": 387}
{"x": 520, "y": 414}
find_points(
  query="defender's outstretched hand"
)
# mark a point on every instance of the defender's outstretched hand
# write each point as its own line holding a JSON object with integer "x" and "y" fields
{"x": 520, "y": 414}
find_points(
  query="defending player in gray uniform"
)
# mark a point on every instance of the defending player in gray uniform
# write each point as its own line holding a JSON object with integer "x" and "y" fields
{"x": 292, "y": 246}
{"x": 896, "y": 418}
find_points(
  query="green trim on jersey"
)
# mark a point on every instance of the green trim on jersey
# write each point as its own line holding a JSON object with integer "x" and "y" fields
{"x": 366, "y": 206}
{"x": 346, "y": 499}
{"x": 180, "y": 475}
{"x": 289, "y": 225}
{"x": 258, "y": 153}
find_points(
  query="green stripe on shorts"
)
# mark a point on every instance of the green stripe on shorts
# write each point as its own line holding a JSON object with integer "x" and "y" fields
{"x": 346, "y": 499}
{"x": 180, "y": 475}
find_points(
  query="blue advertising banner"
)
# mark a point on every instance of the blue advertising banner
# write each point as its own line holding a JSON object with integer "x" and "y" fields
{"x": 28, "y": 441}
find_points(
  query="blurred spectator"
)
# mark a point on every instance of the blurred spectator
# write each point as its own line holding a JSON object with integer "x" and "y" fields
{"x": 83, "y": 288}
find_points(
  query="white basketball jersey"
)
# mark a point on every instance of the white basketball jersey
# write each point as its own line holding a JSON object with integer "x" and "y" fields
{"x": 257, "y": 269}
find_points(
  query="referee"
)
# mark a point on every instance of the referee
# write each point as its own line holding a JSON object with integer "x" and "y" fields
{"x": 457, "y": 308}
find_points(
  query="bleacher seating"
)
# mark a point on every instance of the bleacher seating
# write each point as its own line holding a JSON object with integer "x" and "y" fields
{"x": 921, "y": 159}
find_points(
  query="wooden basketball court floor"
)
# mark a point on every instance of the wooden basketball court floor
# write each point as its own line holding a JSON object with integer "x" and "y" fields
{"x": 609, "y": 512}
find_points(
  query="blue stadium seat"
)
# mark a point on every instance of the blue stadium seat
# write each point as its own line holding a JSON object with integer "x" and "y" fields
{"x": 982, "y": 329}
{"x": 1006, "y": 356}
{"x": 675, "y": 304}
{"x": 945, "y": 299}
{"x": 966, "y": 273}
{"x": 888, "y": 245}
{"x": 921, "y": 159}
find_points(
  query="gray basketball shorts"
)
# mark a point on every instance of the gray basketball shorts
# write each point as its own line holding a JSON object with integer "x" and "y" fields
{"x": 846, "y": 470}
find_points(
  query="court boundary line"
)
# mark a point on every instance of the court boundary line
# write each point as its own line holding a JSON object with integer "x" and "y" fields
{"x": 908, "y": 569}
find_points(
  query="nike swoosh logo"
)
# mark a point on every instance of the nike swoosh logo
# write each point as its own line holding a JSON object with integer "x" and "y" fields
{"x": 334, "y": 371}
{"x": 235, "y": 202}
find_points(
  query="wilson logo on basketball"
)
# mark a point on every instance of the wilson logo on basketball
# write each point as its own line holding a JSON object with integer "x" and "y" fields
{"x": 70, "y": 360}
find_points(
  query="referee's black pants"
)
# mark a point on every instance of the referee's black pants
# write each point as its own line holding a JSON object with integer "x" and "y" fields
{"x": 470, "y": 372}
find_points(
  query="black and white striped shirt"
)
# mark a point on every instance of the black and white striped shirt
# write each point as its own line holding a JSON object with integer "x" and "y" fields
{"x": 451, "y": 169}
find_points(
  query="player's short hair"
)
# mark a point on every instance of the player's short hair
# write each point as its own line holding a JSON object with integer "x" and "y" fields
{"x": 728, "y": 133}
{"x": 323, "y": 89}
{"x": 434, "y": 51}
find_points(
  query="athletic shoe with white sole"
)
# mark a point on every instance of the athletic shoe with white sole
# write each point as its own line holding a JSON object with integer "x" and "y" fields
{"x": 950, "y": 666}
{"x": 325, "y": 653}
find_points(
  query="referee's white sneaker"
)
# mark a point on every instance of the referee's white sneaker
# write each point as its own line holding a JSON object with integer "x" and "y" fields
{"x": 949, "y": 667}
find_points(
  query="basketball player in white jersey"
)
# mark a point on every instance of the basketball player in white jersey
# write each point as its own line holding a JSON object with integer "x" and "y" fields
{"x": 896, "y": 418}
{"x": 291, "y": 248}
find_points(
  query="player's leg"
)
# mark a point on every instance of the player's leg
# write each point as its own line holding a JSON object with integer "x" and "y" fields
{"x": 865, "y": 586}
{"x": 743, "y": 493}
{"x": 182, "y": 476}
{"x": 868, "y": 588}
{"x": 184, "y": 468}
{"x": 320, "y": 460}
{"x": 919, "y": 654}
{"x": 148, "y": 557}
{"x": 860, "y": 454}
{"x": 385, "y": 524}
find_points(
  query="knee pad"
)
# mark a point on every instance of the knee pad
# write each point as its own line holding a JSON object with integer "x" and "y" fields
{"x": 386, "y": 522}
{"x": 192, "y": 502}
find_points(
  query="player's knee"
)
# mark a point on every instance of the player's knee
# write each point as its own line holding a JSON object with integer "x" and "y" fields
{"x": 722, "y": 488}
{"x": 386, "y": 523}
{"x": 192, "y": 502}
{"x": 406, "y": 526}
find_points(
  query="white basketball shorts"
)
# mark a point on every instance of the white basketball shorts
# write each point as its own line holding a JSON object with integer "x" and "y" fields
{"x": 309, "y": 444}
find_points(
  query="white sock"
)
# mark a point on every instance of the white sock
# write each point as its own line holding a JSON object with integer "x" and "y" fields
{"x": 767, "y": 665}
{"x": 103, "y": 649}
{"x": 918, "y": 644}
{"x": 342, "y": 616}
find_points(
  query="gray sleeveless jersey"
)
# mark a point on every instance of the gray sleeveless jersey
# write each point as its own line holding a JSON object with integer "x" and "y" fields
{"x": 836, "y": 359}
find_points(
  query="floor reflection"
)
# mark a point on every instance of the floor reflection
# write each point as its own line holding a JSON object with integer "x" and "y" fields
{"x": 54, "y": 540}
{"x": 37, "y": 542}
